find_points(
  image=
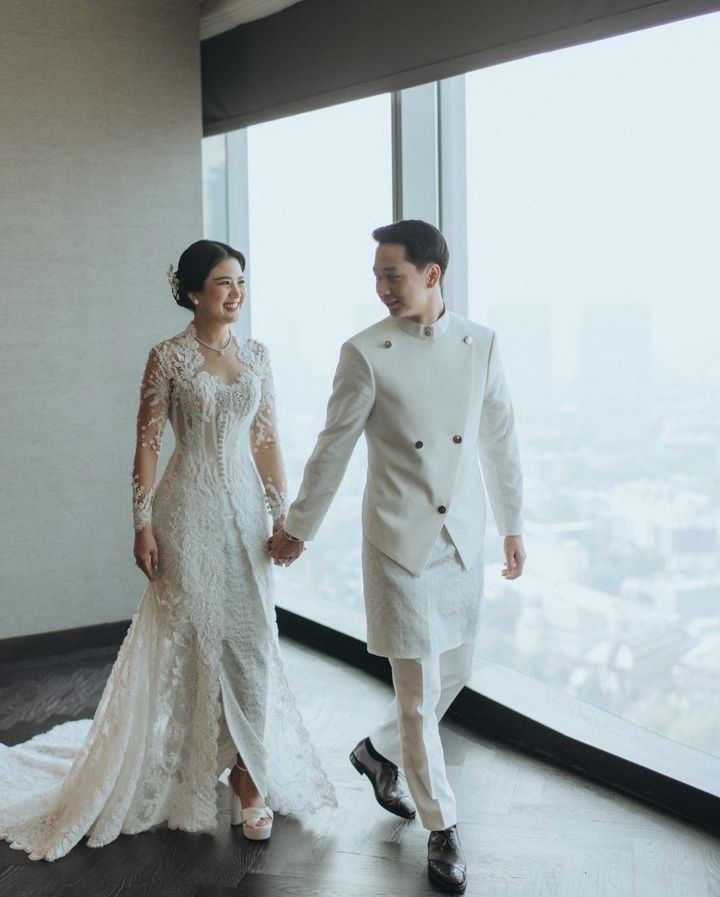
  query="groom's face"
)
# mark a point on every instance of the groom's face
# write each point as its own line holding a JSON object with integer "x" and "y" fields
{"x": 403, "y": 289}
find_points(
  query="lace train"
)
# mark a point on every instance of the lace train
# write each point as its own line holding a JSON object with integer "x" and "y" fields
{"x": 122, "y": 771}
{"x": 199, "y": 673}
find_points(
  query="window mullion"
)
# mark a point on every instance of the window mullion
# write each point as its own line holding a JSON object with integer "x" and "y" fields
{"x": 238, "y": 210}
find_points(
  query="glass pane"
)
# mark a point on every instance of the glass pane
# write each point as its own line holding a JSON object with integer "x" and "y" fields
{"x": 594, "y": 214}
{"x": 318, "y": 183}
{"x": 214, "y": 161}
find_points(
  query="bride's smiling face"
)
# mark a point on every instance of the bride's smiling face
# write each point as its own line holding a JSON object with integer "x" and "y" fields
{"x": 223, "y": 293}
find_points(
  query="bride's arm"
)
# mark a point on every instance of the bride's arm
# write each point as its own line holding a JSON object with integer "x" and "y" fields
{"x": 265, "y": 445}
{"x": 152, "y": 416}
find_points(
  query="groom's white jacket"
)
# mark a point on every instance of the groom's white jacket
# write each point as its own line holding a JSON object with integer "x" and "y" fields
{"x": 435, "y": 408}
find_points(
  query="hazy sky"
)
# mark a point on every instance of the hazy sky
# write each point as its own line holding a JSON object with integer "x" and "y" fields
{"x": 594, "y": 179}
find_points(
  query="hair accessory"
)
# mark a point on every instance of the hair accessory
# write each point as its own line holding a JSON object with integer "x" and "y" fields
{"x": 174, "y": 282}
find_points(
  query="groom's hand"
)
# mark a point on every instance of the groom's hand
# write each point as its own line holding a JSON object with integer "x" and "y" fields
{"x": 514, "y": 557}
{"x": 284, "y": 550}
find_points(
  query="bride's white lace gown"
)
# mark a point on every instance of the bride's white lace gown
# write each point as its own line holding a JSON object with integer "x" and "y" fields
{"x": 199, "y": 673}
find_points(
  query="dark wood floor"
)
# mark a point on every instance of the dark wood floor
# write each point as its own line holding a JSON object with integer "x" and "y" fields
{"x": 529, "y": 830}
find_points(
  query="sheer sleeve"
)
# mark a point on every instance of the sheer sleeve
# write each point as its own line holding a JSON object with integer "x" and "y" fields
{"x": 152, "y": 416}
{"x": 265, "y": 443}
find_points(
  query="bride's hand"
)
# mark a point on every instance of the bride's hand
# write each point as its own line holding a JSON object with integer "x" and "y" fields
{"x": 284, "y": 550}
{"x": 146, "y": 552}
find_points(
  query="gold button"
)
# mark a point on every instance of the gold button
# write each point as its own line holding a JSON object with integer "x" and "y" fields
{"x": 467, "y": 340}
{"x": 442, "y": 509}
{"x": 457, "y": 439}
{"x": 387, "y": 344}
{"x": 418, "y": 444}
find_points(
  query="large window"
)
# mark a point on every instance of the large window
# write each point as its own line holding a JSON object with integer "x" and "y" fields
{"x": 318, "y": 184}
{"x": 594, "y": 214}
{"x": 593, "y": 210}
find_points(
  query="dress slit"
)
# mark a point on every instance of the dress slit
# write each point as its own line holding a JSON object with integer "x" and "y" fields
{"x": 244, "y": 664}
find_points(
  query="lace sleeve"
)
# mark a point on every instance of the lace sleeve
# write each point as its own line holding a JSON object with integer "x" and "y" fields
{"x": 152, "y": 416}
{"x": 265, "y": 442}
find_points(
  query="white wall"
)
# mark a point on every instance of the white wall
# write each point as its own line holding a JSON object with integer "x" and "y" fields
{"x": 100, "y": 130}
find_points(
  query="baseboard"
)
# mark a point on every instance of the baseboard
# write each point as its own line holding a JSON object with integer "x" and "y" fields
{"x": 474, "y": 711}
{"x": 501, "y": 723}
{"x": 46, "y": 644}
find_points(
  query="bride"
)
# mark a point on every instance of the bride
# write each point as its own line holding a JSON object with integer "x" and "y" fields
{"x": 198, "y": 685}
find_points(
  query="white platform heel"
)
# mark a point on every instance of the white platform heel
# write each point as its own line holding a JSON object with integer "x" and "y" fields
{"x": 250, "y": 818}
{"x": 251, "y": 823}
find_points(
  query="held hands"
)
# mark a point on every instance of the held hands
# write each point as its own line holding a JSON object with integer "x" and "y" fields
{"x": 283, "y": 550}
{"x": 145, "y": 552}
{"x": 514, "y": 557}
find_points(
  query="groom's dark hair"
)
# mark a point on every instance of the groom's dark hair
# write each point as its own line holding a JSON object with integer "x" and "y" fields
{"x": 424, "y": 244}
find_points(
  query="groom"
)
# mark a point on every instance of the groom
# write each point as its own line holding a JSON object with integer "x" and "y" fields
{"x": 426, "y": 387}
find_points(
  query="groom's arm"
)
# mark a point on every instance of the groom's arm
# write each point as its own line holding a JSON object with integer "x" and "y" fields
{"x": 500, "y": 459}
{"x": 349, "y": 406}
{"x": 497, "y": 446}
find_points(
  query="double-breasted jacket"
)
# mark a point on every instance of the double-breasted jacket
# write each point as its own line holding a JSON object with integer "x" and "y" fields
{"x": 435, "y": 409}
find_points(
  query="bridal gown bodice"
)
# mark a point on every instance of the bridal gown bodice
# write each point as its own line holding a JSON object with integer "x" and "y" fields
{"x": 212, "y": 423}
{"x": 211, "y": 480}
{"x": 199, "y": 675}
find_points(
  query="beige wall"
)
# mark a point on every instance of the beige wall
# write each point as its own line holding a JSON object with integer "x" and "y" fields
{"x": 99, "y": 190}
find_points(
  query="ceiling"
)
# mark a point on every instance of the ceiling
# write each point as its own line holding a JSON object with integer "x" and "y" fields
{"x": 217, "y": 16}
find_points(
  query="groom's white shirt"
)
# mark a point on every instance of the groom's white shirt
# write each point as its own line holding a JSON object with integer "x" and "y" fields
{"x": 436, "y": 412}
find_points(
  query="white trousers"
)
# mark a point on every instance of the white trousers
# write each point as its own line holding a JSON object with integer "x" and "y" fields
{"x": 410, "y": 733}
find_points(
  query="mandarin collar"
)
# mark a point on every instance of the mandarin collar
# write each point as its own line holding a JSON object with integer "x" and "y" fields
{"x": 426, "y": 331}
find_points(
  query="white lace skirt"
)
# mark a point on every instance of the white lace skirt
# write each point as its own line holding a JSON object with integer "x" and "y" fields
{"x": 172, "y": 716}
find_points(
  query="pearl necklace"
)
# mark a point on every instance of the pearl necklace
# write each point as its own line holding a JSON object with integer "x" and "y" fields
{"x": 220, "y": 352}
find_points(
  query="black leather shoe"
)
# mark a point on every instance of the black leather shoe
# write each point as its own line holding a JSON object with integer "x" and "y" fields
{"x": 383, "y": 775}
{"x": 446, "y": 863}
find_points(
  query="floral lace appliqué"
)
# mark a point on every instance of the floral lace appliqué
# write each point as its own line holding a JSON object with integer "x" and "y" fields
{"x": 162, "y": 731}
